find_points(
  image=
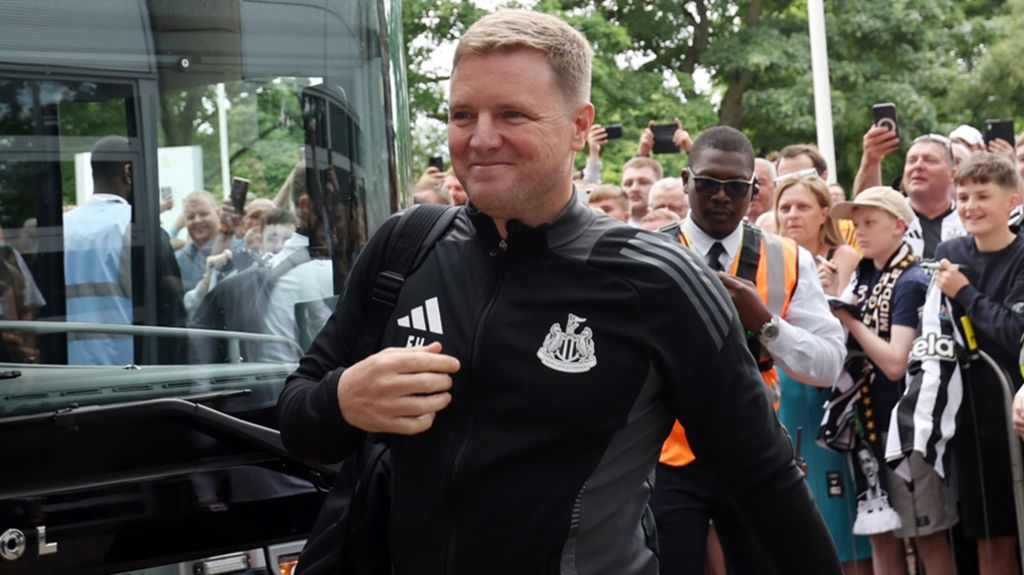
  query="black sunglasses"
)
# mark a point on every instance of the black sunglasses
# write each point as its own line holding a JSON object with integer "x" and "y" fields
{"x": 708, "y": 186}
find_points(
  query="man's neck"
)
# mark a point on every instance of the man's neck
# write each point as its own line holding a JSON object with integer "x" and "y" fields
{"x": 995, "y": 241}
{"x": 715, "y": 236}
{"x": 931, "y": 208}
{"x": 637, "y": 212}
{"x": 538, "y": 218}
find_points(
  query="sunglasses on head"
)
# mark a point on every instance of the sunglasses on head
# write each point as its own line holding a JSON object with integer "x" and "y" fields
{"x": 708, "y": 186}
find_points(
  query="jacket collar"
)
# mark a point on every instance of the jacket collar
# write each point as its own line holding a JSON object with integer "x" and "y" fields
{"x": 568, "y": 225}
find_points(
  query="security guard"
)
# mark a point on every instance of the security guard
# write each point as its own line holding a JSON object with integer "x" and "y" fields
{"x": 774, "y": 286}
{"x": 97, "y": 258}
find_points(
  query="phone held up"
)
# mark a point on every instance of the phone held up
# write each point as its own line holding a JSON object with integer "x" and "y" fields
{"x": 239, "y": 189}
{"x": 436, "y": 162}
{"x": 613, "y": 131}
{"x": 1001, "y": 129}
{"x": 885, "y": 116}
{"x": 663, "y": 143}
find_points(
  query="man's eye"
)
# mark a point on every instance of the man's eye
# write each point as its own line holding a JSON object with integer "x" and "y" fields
{"x": 461, "y": 116}
{"x": 513, "y": 115}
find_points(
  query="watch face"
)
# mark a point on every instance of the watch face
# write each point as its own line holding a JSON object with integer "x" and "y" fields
{"x": 770, "y": 331}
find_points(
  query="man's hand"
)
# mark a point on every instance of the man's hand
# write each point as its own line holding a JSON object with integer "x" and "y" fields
{"x": 753, "y": 313}
{"x": 949, "y": 279}
{"x": 646, "y": 140}
{"x": 682, "y": 138}
{"x": 878, "y": 143}
{"x": 596, "y": 139}
{"x": 1004, "y": 148}
{"x": 218, "y": 261}
{"x": 1018, "y": 415}
{"x": 397, "y": 390}
{"x": 431, "y": 179}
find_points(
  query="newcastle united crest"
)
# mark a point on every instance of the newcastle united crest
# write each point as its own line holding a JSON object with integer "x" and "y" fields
{"x": 568, "y": 351}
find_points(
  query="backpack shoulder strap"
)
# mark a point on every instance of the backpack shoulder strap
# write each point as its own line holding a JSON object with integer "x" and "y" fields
{"x": 411, "y": 240}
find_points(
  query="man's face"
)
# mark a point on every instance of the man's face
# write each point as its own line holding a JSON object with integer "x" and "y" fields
{"x": 762, "y": 202}
{"x": 795, "y": 164}
{"x": 671, "y": 198}
{"x": 869, "y": 465}
{"x": 255, "y": 213}
{"x": 274, "y": 237}
{"x": 637, "y": 182}
{"x": 513, "y": 134}
{"x": 836, "y": 192}
{"x": 613, "y": 208}
{"x": 878, "y": 232}
{"x": 456, "y": 190}
{"x": 718, "y": 214}
{"x": 927, "y": 175}
{"x": 202, "y": 221}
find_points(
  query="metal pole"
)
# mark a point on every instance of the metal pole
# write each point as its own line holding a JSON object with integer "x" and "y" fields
{"x": 222, "y": 131}
{"x": 822, "y": 91}
{"x": 1016, "y": 463}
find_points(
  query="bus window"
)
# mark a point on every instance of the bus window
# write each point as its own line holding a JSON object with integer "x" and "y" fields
{"x": 193, "y": 192}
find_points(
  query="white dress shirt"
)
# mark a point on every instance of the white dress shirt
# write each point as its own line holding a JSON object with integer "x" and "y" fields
{"x": 310, "y": 281}
{"x": 811, "y": 346}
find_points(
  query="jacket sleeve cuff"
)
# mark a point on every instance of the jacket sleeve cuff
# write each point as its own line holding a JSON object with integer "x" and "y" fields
{"x": 966, "y": 296}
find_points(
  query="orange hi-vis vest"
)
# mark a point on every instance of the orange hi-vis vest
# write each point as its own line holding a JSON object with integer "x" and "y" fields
{"x": 770, "y": 262}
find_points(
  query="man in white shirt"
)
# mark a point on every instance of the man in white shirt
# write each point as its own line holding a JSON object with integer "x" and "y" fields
{"x": 789, "y": 325}
{"x": 927, "y": 181}
{"x": 304, "y": 279}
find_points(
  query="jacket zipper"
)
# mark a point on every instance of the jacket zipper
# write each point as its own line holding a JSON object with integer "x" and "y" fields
{"x": 501, "y": 253}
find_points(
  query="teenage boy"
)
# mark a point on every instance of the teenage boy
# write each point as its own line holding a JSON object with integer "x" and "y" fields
{"x": 989, "y": 288}
{"x": 887, "y": 288}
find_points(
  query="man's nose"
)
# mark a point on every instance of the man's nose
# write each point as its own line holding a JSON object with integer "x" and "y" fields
{"x": 486, "y": 135}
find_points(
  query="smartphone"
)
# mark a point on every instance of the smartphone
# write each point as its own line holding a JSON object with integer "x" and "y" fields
{"x": 239, "y": 189}
{"x": 436, "y": 162}
{"x": 613, "y": 131}
{"x": 663, "y": 143}
{"x": 885, "y": 116}
{"x": 1002, "y": 129}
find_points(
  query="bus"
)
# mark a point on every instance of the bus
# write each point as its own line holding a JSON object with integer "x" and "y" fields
{"x": 139, "y": 364}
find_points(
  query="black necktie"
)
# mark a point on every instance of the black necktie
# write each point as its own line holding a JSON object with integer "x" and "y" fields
{"x": 714, "y": 257}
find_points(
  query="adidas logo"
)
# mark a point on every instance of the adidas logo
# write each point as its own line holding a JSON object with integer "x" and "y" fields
{"x": 426, "y": 317}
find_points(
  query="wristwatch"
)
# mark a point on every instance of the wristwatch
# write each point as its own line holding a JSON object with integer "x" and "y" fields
{"x": 770, "y": 330}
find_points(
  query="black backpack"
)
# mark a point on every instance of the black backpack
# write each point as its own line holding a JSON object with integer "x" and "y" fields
{"x": 350, "y": 535}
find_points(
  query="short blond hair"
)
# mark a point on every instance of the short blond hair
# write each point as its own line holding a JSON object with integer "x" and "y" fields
{"x": 644, "y": 162}
{"x": 609, "y": 192}
{"x": 660, "y": 214}
{"x": 567, "y": 51}
{"x": 200, "y": 196}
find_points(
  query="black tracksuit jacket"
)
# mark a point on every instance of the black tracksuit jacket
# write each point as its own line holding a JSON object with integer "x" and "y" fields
{"x": 543, "y": 462}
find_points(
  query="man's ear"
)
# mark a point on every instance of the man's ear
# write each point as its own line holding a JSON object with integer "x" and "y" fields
{"x": 126, "y": 173}
{"x": 582, "y": 120}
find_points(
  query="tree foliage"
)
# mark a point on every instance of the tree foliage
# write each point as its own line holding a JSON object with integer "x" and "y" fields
{"x": 942, "y": 62}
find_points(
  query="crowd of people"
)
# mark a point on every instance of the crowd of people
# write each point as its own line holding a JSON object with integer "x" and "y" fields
{"x": 861, "y": 281}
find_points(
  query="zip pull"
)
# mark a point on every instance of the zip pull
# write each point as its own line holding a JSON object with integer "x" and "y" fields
{"x": 503, "y": 245}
